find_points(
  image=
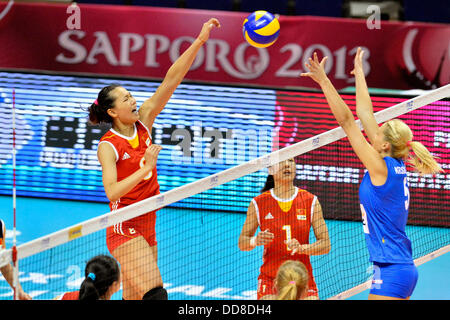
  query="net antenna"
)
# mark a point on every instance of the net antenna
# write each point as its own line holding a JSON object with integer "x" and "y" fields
{"x": 156, "y": 202}
{"x": 14, "y": 248}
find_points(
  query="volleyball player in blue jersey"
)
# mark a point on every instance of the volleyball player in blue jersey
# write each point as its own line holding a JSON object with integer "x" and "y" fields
{"x": 383, "y": 193}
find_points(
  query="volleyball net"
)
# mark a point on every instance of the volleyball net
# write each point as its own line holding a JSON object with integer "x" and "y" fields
{"x": 199, "y": 222}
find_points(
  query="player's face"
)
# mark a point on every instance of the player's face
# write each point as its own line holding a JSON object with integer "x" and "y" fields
{"x": 380, "y": 144}
{"x": 285, "y": 170}
{"x": 125, "y": 107}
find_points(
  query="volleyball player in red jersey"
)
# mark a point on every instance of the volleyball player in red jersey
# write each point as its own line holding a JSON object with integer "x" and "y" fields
{"x": 102, "y": 280}
{"x": 128, "y": 160}
{"x": 72, "y": 295}
{"x": 285, "y": 215}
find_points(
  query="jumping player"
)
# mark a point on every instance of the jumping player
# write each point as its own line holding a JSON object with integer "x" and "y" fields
{"x": 383, "y": 193}
{"x": 128, "y": 160}
{"x": 285, "y": 215}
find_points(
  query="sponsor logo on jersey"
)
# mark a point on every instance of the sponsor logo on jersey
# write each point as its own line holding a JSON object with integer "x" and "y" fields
{"x": 126, "y": 156}
{"x": 268, "y": 216}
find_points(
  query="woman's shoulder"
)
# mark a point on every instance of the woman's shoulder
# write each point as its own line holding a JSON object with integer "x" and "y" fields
{"x": 263, "y": 195}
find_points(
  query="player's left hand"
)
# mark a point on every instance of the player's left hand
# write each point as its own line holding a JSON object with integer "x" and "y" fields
{"x": 358, "y": 62}
{"x": 207, "y": 27}
{"x": 316, "y": 69}
{"x": 295, "y": 246}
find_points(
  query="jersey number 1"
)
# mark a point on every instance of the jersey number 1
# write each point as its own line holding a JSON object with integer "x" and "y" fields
{"x": 287, "y": 229}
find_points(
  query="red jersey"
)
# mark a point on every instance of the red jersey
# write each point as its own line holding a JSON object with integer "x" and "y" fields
{"x": 2, "y": 234}
{"x": 69, "y": 296}
{"x": 286, "y": 219}
{"x": 129, "y": 158}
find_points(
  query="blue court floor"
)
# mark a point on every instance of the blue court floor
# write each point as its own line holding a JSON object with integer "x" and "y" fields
{"x": 197, "y": 254}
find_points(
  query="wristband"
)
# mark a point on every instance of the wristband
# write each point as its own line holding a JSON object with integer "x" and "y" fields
{"x": 253, "y": 241}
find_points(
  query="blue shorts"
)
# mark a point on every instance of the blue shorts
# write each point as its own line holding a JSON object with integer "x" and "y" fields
{"x": 396, "y": 280}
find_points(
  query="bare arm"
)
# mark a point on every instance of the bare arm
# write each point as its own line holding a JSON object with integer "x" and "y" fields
{"x": 115, "y": 189}
{"x": 8, "y": 273}
{"x": 364, "y": 107}
{"x": 370, "y": 158}
{"x": 249, "y": 229}
{"x": 154, "y": 105}
{"x": 322, "y": 244}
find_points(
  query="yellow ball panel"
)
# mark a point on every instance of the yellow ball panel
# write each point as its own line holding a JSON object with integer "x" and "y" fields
{"x": 257, "y": 45}
{"x": 270, "y": 29}
{"x": 259, "y": 14}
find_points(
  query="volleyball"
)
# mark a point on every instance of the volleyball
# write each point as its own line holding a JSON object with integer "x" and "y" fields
{"x": 261, "y": 29}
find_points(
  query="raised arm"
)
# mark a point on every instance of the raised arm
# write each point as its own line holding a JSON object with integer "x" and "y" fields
{"x": 370, "y": 157}
{"x": 154, "y": 105}
{"x": 364, "y": 108}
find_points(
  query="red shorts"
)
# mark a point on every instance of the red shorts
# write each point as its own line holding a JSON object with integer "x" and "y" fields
{"x": 266, "y": 287}
{"x": 122, "y": 232}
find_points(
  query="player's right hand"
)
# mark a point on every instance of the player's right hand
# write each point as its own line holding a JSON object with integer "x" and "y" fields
{"x": 151, "y": 155}
{"x": 207, "y": 27}
{"x": 316, "y": 69}
{"x": 264, "y": 237}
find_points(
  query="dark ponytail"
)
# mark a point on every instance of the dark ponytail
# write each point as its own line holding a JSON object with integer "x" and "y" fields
{"x": 98, "y": 110}
{"x": 270, "y": 183}
{"x": 100, "y": 273}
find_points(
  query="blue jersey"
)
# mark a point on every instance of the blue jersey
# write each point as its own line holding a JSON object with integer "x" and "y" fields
{"x": 385, "y": 213}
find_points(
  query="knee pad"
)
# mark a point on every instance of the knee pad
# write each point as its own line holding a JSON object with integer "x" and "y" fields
{"x": 158, "y": 293}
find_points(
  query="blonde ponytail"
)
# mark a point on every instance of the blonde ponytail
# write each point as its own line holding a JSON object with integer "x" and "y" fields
{"x": 291, "y": 280}
{"x": 288, "y": 292}
{"x": 400, "y": 137}
{"x": 422, "y": 160}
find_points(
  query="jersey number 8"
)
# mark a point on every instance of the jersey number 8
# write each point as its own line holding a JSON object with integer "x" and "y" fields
{"x": 141, "y": 164}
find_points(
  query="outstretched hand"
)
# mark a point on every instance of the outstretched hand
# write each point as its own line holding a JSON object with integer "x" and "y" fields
{"x": 358, "y": 63}
{"x": 206, "y": 29}
{"x": 316, "y": 69}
